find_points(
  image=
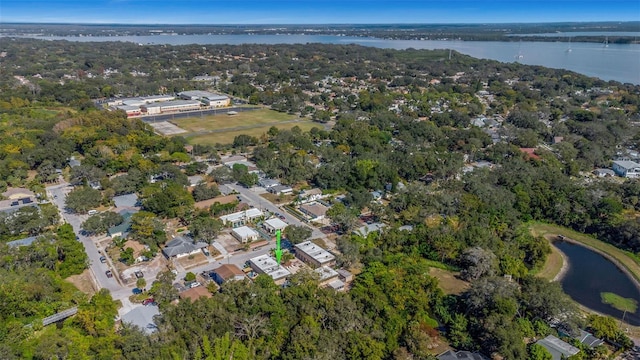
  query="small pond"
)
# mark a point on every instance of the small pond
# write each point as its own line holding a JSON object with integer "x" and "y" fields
{"x": 591, "y": 274}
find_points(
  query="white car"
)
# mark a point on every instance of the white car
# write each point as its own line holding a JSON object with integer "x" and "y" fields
{"x": 194, "y": 284}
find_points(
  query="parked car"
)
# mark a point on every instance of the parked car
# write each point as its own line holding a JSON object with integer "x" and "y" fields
{"x": 109, "y": 273}
{"x": 103, "y": 259}
{"x": 139, "y": 274}
{"x": 194, "y": 284}
{"x": 148, "y": 301}
{"x": 137, "y": 291}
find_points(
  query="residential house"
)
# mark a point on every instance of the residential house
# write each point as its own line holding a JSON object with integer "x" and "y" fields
{"x": 275, "y": 224}
{"x": 241, "y": 218}
{"x": 268, "y": 183}
{"x": 588, "y": 339}
{"x": 369, "y": 228}
{"x": 315, "y": 211}
{"x": 280, "y": 190}
{"x": 310, "y": 195}
{"x": 121, "y": 230}
{"x": 558, "y": 348}
{"x": 314, "y": 255}
{"x": 245, "y": 234}
{"x": 73, "y": 162}
{"x": 337, "y": 285}
{"x": 628, "y": 169}
{"x": 182, "y": 246}
{"x": 227, "y": 272}
{"x": 126, "y": 201}
{"x": 142, "y": 317}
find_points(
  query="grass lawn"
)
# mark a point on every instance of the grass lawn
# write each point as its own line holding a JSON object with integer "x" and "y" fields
{"x": 552, "y": 266}
{"x": 626, "y": 259}
{"x": 226, "y": 137}
{"x": 618, "y": 302}
{"x": 224, "y": 121}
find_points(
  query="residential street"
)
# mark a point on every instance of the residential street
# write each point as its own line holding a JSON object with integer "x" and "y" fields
{"x": 58, "y": 194}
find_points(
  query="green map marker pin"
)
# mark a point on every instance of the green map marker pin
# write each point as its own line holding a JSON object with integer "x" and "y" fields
{"x": 278, "y": 249}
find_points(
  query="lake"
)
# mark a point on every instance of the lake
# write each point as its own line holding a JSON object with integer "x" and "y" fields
{"x": 619, "y": 62}
{"x": 591, "y": 274}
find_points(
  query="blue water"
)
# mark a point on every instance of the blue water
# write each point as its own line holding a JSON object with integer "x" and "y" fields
{"x": 591, "y": 274}
{"x": 619, "y": 62}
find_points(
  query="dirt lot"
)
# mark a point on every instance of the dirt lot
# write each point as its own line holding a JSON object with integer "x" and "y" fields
{"x": 449, "y": 283}
{"x": 191, "y": 261}
{"x": 83, "y": 282}
{"x": 228, "y": 242}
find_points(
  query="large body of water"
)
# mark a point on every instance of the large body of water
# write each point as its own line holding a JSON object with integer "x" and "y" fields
{"x": 591, "y": 274}
{"x": 619, "y": 62}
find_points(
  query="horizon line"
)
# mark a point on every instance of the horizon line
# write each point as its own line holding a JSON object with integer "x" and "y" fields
{"x": 317, "y": 24}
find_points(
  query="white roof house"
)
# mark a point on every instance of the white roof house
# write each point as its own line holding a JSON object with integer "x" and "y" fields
{"x": 245, "y": 234}
{"x": 326, "y": 273}
{"x": 313, "y": 254}
{"x": 557, "y": 347}
{"x": 272, "y": 225}
{"x": 241, "y": 217}
{"x": 265, "y": 264}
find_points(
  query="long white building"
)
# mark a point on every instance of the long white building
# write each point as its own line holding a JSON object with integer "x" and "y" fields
{"x": 164, "y": 107}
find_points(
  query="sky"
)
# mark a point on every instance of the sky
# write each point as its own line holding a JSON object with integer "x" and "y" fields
{"x": 316, "y": 11}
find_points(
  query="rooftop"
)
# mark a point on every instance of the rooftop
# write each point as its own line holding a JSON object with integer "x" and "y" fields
{"x": 172, "y": 103}
{"x": 460, "y": 355}
{"x": 369, "y": 228}
{"x": 314, "y": 209}
{"x": 626, "y": 164}
{"x": 276, "y": 223}
{"x": 22, "y": 242}
{"x": 128, "y": 200}
{"x": 142, "y": 316}
{"x": 557, "y": 347}
{"x": 181, "y": 245}
{"x": 326, "y": 273}
{"x": 228, "y": 271}
{"x": 241, "y": 215}
{"x": 315, "y": 252}
{"x": 245, "y": 232}
{"x": 203, "y": 95}
{"x": 269, "y": 266}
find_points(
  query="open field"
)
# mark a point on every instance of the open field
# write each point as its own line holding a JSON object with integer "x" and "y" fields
{"x": 222, "y": 136}
{"x": 623, "y": 258}
{"x": 449, "y": 283}
{"x": 83, "y": 282}
{"x": 241, "y": 119}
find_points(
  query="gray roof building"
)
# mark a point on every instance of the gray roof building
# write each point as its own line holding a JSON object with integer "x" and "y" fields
{"x": 182, "y": 246}
{"x": 142, "y": 317}
{"x": 557, "y": 347}
{"x": 22, "y": 242}
{"x": 128, "y": 200}
{"x": 460, "y": 355}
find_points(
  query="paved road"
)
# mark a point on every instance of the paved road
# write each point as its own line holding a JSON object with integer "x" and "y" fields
{"x": 58, "y": 194}
{"x": 258, "y": 201}
{"x": 190, "y": 114}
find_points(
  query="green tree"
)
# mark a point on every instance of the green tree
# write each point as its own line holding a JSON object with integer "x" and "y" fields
{"x": 297, "y": 234}
{"x": 538, "y": 352}
{"x": 82, "y": 199}
{"x": 205, "y": 229}
{"x": 71, "y": 254}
